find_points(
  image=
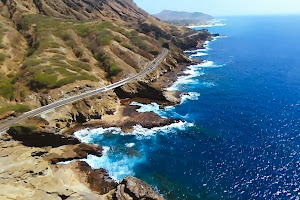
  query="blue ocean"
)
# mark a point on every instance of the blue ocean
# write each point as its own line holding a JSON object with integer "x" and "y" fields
{"x": 239, "y": 136}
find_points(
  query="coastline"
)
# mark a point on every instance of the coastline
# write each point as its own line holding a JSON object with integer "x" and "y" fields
{"x": 71, "y": 149}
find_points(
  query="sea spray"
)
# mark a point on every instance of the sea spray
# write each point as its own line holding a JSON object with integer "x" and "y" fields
{"x": 123, "y": 151}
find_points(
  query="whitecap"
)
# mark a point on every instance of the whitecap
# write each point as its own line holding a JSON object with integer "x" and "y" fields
{"x": 212, "y": 23}
{"x": 198, "y": 54}
{"x": 208, "y": 64}
{"x": 197, "y": 50}
{"x": 119, "y": 164}
{"x": 191, "y": 72}
{"x": 218, "y": 37}
{"x": 118, "y": 167}
{"x": 142, "y": 133}
{"x": 193, "y": 96}
{"x": 87, "y": 135}
{"x": 153, "y": 107}
{"x": 208, "y": 84}
{"x": 130, "y": 145}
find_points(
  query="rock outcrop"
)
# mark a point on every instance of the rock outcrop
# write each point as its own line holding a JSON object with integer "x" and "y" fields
{"x": 132, "y": 188}
{"x": 35, "y": 173}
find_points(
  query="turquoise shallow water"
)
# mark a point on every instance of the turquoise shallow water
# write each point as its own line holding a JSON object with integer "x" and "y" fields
{"x": 240, "y": 138}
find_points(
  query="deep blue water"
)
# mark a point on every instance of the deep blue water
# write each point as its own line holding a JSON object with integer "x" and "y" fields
{"x": 241, "y": 139}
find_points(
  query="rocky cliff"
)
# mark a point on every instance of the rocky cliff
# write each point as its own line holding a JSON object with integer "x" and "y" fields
{"x": 51, "y": 49}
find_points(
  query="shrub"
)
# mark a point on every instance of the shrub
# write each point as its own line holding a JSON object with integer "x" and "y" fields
{"x": 137, "y": 41}
{"x": 66, "y": 36}
{"x": 45, "y": 79}
{"x": 2, "y": 57}
{"x": 117, "y": 38}
{"x": 128, "y": 46}
{"x": 16, "y": 108}
{"x": 80, "y": 65}
{"x": 31, "y": 62}
{"x": 72, "y": 79}
{"x": 7, "y": 89}
{"x": 26, "y": 128}
{"x": 114, "y": 70}
{"x": 154, "y": 52}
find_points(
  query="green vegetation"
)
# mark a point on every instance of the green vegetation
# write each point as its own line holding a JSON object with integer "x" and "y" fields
{"x": 153, "y": 52}
{"x": 24, "y": 92}
{"x": 7, "y": 89}
{"x": 45, "y": 79}
{"x": 137, "y": 41}
{"x": 114, "y": 70}
{"x": 2, "y": 33}
{"x": 2, "y": 57}
{"x": 128, "y": 46}
{"x": 72, "y": 79}
{"x": 32, "y": 62}
{"x": 80, "y": 65}
{"x": 28, "y": 127}
{"x": 16, "y": 108}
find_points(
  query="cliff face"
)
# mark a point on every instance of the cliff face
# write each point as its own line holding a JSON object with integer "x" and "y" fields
{"x": 51, "y": 49}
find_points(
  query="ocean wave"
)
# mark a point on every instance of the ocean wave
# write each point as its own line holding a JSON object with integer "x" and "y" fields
{"x": 193, "y": 96}
{"x": 142, "y": 133}
{"x": 120, "y": 163}
{"x": 118, "y": 166}
{"x": 130, "y": 145}
{"x": 198, "y": 54}
{"x": 208, "y": 64}
{"x": 88, "y": 135}
{"x": 197, "y": 50}
{"x": 191, "y": 72}
{"x": 208, "y": 84}
{"x": 213, "y": 23}
{"x": 153, "y": 107}
{"x": 218, "y": 37}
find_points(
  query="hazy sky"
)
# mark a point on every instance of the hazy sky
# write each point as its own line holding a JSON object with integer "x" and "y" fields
{"x": 223, "y": 7}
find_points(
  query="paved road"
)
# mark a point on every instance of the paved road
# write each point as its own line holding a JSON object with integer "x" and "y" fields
{"x": 4, "y": 127}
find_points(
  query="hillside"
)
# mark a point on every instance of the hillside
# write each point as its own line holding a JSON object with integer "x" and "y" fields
{"x": 52, "y": 49}
{"x": 184, "y": 18}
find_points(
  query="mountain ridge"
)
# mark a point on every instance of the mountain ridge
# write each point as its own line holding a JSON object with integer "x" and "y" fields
{"x": 183, "y": 18}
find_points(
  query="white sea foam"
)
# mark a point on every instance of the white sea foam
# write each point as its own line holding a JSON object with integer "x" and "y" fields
{"x": 153, "y": 107}
{"x": 198, "y": 54}
{"x": 218, "y": 37}
{"x": 208, "y": 84}
{"x": 144, "y": 133}
{"x": 197, "y": 50}
{"x": 87, "y": 135}
{"x": 130, "y": 145}
{"x": 191, "y": 72}
{"x": 212, "y": 23}
{"x": 118, "y": 168}
{"x": 120, "y": 165}
{"x": 193, "y": 96}
{"x": 208, "y": 64}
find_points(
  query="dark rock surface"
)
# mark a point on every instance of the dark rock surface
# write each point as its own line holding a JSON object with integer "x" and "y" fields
{"x": 135, "y": 189}
{"x": 98, "y": 180}
{"x": 32, "y": 138}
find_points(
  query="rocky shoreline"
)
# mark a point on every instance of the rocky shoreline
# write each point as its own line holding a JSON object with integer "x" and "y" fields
{"x": 42, "y": 151}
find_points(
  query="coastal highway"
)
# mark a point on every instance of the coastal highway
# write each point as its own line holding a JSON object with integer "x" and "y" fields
{"x": 5, "y": 126}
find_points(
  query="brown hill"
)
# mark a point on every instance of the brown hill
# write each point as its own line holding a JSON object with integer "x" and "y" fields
{"x": 54, "y": 48}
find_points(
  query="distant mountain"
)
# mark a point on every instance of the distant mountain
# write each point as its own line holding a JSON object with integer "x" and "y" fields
{"x": 184, "y": 18}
